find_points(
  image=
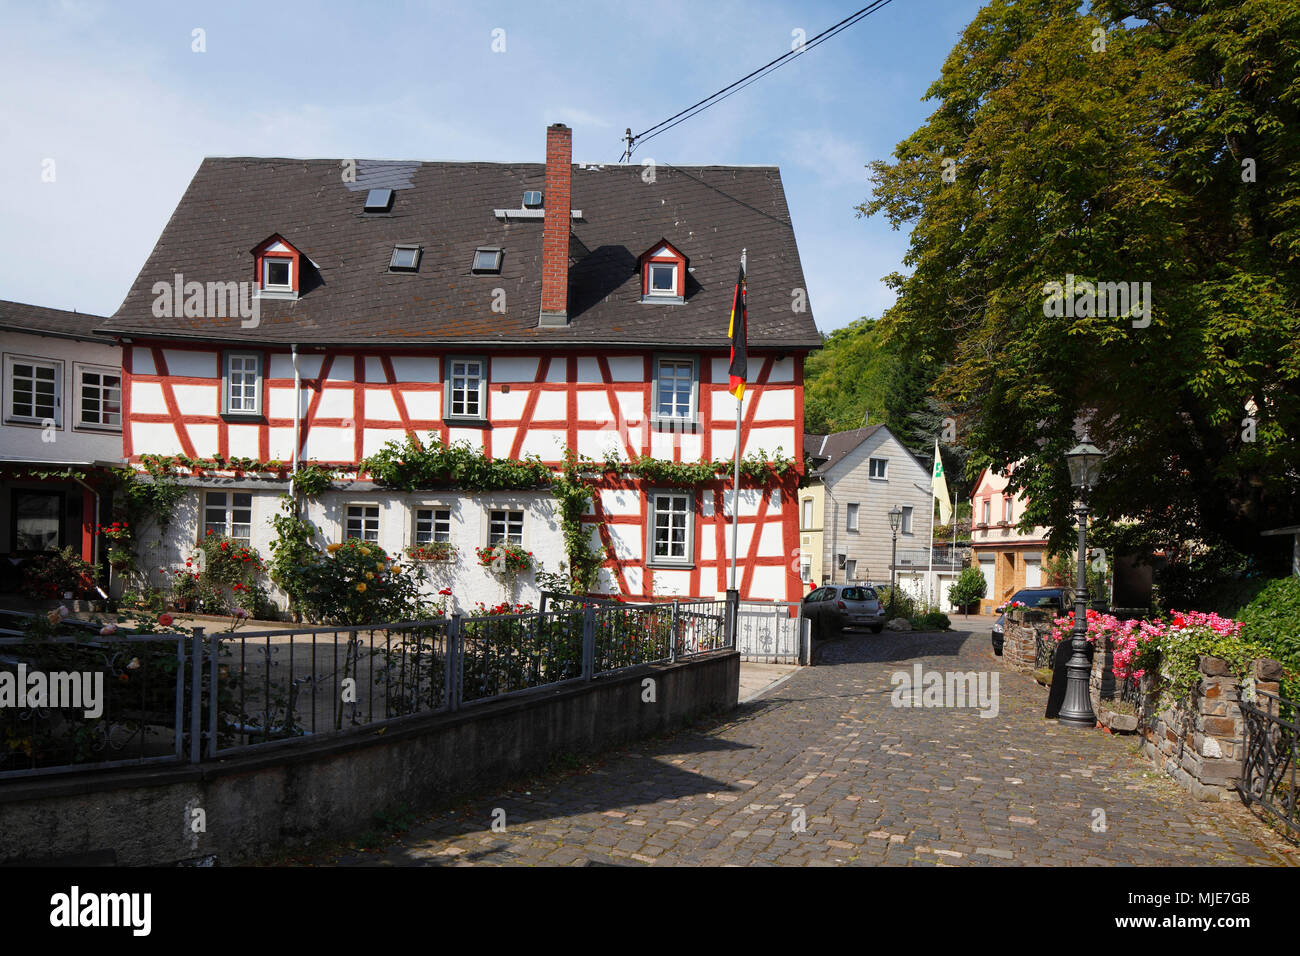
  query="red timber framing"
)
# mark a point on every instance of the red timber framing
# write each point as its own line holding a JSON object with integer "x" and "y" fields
{"x": 634, "y": 438}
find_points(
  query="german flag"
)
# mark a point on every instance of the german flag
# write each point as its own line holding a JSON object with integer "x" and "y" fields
{"x": 737, "y": 332}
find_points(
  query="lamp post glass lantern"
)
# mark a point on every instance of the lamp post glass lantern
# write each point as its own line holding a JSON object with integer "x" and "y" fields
{"x": 895, "y": 519}
{"x": 1084, "y": 462}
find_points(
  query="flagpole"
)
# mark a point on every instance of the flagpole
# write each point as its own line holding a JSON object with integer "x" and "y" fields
{"x": 735, "y": 479}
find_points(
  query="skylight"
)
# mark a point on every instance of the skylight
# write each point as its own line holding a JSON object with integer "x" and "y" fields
{"x": 487, "y": 259}
{"x": 379, "y": 200}
{"x": 405, "y": 259}
{"x": 532, "y": 199}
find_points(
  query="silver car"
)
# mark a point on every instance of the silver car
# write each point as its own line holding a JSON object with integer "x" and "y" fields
{"x": 835, "y": 608}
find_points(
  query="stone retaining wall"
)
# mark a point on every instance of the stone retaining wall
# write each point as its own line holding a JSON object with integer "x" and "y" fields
{"x": 1200, "y": 741}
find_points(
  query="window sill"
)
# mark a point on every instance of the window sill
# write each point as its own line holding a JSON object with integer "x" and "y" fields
{"x": 662, "y": 300}
{"x": 675, "y": 424}
{"x": 661, "y": 566}
{"x": 246, "y": 418}
{"x": 466, "y": 422}
{"x": 275, "y": 294}
{"x": 100, "y": 429}
{"x": 33, "y": 423}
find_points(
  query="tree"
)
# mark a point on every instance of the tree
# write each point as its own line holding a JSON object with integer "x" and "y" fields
{"x": 1129, "y": 143}
{"x": 847, "y": 379}
{"x": 969, "y": 588}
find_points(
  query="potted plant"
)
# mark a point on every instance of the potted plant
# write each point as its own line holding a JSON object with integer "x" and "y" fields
{"x": 432, "y": 551}
{"x": 505, "y": 558}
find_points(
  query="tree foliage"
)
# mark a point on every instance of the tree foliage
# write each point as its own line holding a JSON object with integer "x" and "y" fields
{"x": 1115, "y": 143}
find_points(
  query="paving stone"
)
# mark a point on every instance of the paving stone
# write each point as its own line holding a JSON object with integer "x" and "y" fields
{"x": 875, "y": 785}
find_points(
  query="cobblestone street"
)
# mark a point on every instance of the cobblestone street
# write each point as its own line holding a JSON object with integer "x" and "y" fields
{"x": 875, "y": 783}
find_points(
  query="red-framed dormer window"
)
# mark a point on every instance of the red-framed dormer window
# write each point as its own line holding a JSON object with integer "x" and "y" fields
{"x": 663, "y": 274}
{"x": 277, "y": 268}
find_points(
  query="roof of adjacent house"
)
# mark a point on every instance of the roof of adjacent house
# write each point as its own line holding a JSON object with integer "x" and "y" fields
{"x": 19, "y": 317}
{"x": 349, "y": 296}
{"x": 826, "y": 451}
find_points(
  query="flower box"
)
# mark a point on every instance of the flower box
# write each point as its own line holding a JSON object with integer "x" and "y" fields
{"x": 432, "y": 551}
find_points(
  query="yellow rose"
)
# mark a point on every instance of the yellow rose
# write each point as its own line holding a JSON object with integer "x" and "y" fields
{"x": 364, "y": 550}
{"x": 334, "y": 547}
{"x": 370, "y": 575}
{"x": 361, "y": 586}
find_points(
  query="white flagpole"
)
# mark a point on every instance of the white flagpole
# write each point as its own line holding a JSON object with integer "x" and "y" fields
{"x": 735, "y": 480}
{"x": 929, "y": 573}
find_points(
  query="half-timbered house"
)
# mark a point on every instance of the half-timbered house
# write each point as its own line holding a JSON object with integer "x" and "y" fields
{"x": 315, "y": 310}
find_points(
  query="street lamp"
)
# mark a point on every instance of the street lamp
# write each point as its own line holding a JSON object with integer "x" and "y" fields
{"x": 1084, "y": 461}
{"x": 895, "y": 519}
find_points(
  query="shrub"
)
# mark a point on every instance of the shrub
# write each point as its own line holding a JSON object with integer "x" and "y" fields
{"x": 355, "y": 582}
{"x": 1272, "y": 621}
{"x": 56, "y": 573}
{"x": 936, "y": 621}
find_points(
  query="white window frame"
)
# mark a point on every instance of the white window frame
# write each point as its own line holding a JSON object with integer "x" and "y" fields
{"x": 449, "y": 388}
{"x": 266, "y": 283}
{"x": 228, "y": 507}
{"x": 506, "y": 510}
{"x": 807, "y": 513}
{"x": 905, "y": 523}
{"x": 650, "y": 289}
{"x": 692, "y": 417}
{"x": 434, "y": 507}
{"x": 852, "y": 511}
{"x": 258, "y": 384}
{"x": 884, "y": 469}
{"x": 986, "y": 511}
{"x": 13, "y": 418}
{"x": 687, "y": 558}
{"x": 78, "y": 378}
{"x": 850, "y": 569}
{"x": 1006, "y": 508}
{"x": 364, "y": 517}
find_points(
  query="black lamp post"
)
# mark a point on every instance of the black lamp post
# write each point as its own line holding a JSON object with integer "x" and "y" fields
{"x": 895, "y": 518}
{"x": 1084, "y": 460}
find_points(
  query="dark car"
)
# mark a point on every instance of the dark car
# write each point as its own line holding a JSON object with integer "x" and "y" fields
{"x": 1057, "y": 600}
{"x": 834, "y": 608}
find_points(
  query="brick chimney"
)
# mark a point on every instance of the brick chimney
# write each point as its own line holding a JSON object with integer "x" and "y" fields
{"x": 555, "y": 228}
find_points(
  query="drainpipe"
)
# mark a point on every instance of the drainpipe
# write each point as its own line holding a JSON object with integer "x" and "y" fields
{"x": 297, "y": 410}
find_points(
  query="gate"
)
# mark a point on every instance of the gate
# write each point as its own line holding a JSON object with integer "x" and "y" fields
{"x": 772, "y": 632}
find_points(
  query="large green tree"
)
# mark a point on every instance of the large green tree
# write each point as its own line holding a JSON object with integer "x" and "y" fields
{"x": 1130, "y": 142}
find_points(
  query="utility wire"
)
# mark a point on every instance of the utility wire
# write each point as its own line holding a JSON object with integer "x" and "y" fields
{"x": 749, "y": 78}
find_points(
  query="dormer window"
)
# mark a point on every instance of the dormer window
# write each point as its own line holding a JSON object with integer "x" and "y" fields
{"x": 405, "y": 259}
{"x": 277, "y": 274}
{"x": 487, "y": 260}
{"x": 663, "y": 274}
{"x": 278, "y": 268}
{"x": 378, "y": 201}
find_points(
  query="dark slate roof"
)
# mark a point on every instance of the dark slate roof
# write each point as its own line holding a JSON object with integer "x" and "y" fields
{"x": 827, "y": 450}
{"x": 707, "y": 212}
{"x": 17, "y": 317}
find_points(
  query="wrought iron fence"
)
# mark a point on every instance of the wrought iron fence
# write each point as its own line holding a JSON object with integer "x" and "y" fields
{"x": 93, "y": 701}
{"x": 254, "y": 689}
{"x": 1272, "y": 751}
{"x": 1044, "y": 650}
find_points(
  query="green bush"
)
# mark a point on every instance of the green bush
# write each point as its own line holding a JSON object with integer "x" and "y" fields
{"x": 357, "y": 583}
{"x": 970, "y": 587}
{"x": 936, "y": 621}
{"x": 1272, "y": 621}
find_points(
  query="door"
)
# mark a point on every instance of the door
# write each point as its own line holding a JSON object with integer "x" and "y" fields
{"x": 1033, "y": 573}
{"x": 989, "y": 569}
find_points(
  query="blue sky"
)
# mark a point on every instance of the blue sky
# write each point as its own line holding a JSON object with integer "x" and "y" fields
{"x": 115, "y": 95}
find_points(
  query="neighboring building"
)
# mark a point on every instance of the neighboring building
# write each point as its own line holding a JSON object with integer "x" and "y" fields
{"x": 857, "y": 478}
{"x": 1010, "y": 559}
{"x": 60, "y": 430}
{"x": 310, "y": 309}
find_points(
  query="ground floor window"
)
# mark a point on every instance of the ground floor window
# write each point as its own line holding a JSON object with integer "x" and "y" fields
{"x": 229, "y": 513}
{"x": 362, "y": 522}
{"x": 37, "y": 520}
{"x": 505, "y": 526}
{"x": 671, "y": 541}
{"x": 432, "y": 525}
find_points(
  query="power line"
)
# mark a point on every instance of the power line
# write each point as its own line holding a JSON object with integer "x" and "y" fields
{"x": 748, "y": 79}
